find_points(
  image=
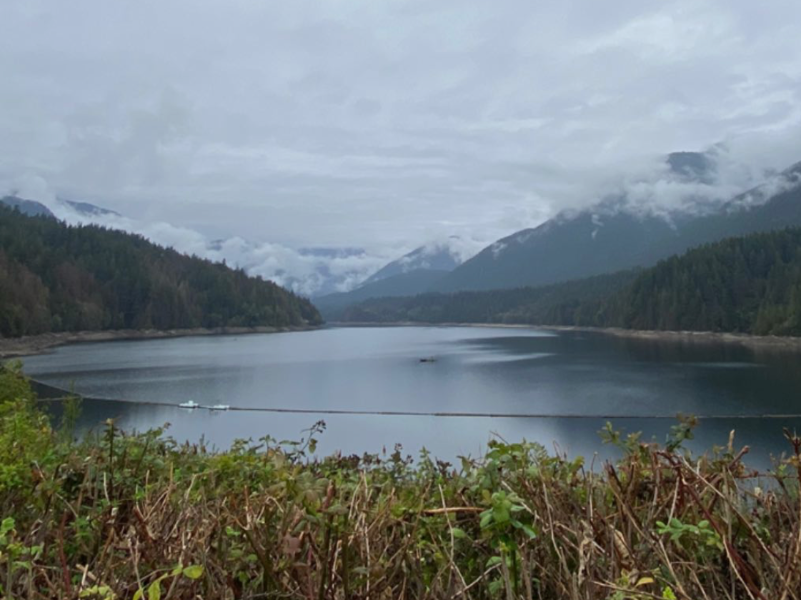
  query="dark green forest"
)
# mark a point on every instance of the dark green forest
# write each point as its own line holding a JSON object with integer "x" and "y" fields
{"x": 748, "y": 284}
{"x": 562, "y": 303}
{"x": 55, "y": 277}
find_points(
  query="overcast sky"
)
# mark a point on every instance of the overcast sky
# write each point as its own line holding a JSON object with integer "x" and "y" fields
{"x": 381, "y": 123}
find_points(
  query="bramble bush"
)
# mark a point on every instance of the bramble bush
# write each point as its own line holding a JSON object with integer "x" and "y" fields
{"x": 118, "y": 516}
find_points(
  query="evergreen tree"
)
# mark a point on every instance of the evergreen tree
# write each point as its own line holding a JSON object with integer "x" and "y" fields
{"x": 746, "y": 284}
{"x": 55, "y": 277}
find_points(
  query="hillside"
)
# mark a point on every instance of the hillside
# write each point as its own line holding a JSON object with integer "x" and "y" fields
{"x": 612, "y": 237}
{"x": 563, "y": 249}
{"x": 403, "y": 284}
{"x": 55, "y": 277}
{"x": 554, "y": 304}
{"x": 749, "y": 284}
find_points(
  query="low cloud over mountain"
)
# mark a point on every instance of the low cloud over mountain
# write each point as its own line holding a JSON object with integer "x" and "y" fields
{"x": 308, "y": 271}
{"x": 386, "y": 125}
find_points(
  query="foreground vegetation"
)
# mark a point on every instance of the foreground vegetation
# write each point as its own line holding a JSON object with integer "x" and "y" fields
{"x": 55, "y": 277}
{"x": 139, "y": 516}
{"x": 748, "y": 284}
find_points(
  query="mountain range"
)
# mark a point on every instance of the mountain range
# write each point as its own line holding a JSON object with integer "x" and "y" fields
{"x": 617, "y": 233}
{"x": 744, "y": 284}
{"x": 614, "y": 235}
{"x": 411, "y": 274}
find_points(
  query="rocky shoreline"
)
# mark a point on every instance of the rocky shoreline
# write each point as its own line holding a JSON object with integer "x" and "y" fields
{"x": 38, "y": 344}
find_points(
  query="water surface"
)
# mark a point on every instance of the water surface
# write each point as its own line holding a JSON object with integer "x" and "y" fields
{"x": 477, "y": 370}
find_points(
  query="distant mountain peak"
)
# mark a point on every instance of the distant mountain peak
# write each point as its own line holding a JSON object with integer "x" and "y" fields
{"x": 438, "y": 256}
{"x": 693, "y": 166}
{"x": 30, "y": 208}
{"x": 87, "y": 209}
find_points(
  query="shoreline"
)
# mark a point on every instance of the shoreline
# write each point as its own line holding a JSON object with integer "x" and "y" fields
{"x": 40, "y": 344}
{"x": 743, "y": 339}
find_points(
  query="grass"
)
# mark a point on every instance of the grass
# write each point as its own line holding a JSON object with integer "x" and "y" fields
{"x": 141, "y": 516}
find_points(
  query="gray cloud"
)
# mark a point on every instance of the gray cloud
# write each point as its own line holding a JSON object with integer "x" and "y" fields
{"x": 390, "y": 124}
{"x": 305, "y": 271}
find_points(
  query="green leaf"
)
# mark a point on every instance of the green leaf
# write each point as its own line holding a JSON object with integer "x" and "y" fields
{"x": 496, "y": 586}
{"x": 194, "y": 572}
{"x": 154, "y": 591}
{"x": 7, "y": 525}
{"x": 458, "y": 533}
{"x": 494, "y": 560}
{"x": 98, "y": 590}
{"x": 501, "y": 514}
{"x": 529, "y": 531}
{"x": 139, "y": 594}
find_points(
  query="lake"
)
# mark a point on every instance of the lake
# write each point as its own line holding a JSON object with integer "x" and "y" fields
{"x": 476, "y": 370}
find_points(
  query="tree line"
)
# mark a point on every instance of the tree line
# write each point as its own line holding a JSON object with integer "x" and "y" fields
{"x": 749, "y": 284}
{"x": 55, "y": 277}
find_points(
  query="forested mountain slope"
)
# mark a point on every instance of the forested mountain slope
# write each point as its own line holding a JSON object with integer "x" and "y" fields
{"x": 403, "y": 284}
{"x": 748, "y": 284}
{"x": 55, "y": 277}
{"x": 563, "y": 249}
{"x": 569, "y": 303}
{"x": 611, "y": 237}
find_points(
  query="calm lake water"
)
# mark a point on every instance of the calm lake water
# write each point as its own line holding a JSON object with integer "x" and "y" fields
{"x": 477, "y": 370}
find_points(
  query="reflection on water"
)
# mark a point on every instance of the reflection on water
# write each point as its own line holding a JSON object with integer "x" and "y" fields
{"x": 477, "y": 370}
